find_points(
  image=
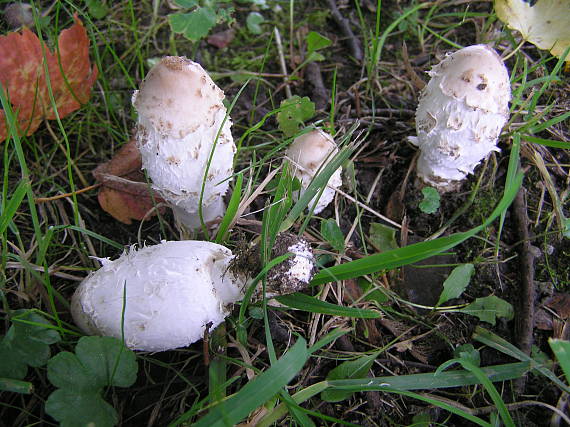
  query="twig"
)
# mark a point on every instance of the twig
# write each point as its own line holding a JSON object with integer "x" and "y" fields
{"x": 352, "y": 40}
{"x": 525, "y": 313}
{"x": 282, "y": 61}
{"x": 319, "y": 93}
{"x": 62, "y": 196}
{"x": 417, "y": 82}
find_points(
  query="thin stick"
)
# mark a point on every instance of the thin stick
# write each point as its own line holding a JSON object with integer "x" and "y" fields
{"x": 63, "y": 196}
{"x": 525, "y": 314}
{"x": 282, "y": 62}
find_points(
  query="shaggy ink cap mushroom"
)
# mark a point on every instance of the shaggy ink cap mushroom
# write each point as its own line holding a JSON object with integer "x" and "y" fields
{"x": 170, "y": 293}
{"x": 181, "y": 119}
{"x": 310, "y": 152}
{"x": 174, "y": 292}
{"x": 460, "y": 115}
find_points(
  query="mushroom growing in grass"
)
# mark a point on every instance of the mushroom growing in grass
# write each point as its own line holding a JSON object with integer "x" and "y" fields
{"x": 167, "y": 296}
{"x": 460, "y": 115}
{"x": 183, "y": 131}
{"x": 309, "y": 153}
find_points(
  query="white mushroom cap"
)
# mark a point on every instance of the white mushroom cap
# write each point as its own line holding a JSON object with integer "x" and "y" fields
{"x": 180, "y": 116}
{"x": 460, "y": 114}
{"x": 177, "y": 97}
{"x": 173, "y": 291}
{"x": 309, "y": 152}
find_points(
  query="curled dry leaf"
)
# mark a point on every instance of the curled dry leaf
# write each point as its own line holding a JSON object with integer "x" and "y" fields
{"x": 23, "y": 76}
{"x": 221, "y": 39}
{"x": 125, "y": 194}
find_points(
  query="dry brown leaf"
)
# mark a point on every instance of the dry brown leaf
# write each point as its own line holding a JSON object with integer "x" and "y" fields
{"x": 125, "y": 194}
{"x": 23, "y": 77}
{"x": 221, "y": 39}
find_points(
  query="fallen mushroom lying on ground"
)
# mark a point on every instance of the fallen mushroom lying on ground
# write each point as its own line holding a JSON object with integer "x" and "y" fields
{"x": 309, "y": 153}
{"x": 182, "y": 128}
{"x": 167, "y": 296}
{"x": 460, "y": 115}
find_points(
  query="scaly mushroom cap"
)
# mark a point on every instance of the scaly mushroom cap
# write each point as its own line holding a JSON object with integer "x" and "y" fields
{"x": 309, "y": 153}
{"x": 460, "y": 115}
{"x": 171, "y": 293}
{"x": 180, "y": 116}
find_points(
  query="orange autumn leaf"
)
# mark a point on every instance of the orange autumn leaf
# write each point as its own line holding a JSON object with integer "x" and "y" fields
{"x": 23, "y": 76}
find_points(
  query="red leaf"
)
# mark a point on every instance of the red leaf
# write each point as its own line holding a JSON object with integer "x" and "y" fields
{"x": 23, "y": 76}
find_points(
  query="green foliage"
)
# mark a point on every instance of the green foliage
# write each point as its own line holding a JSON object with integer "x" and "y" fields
{"x": 314, "y": 305}
{"x": 500, "y": 344}
{"x": 350, "y": 369}
{"x": 371, "y": 293}
{"x": 469, "y": 353}
{"x": 255, "y": 393}
{"x": 431, "y": 201}
{"x": 26, "y": 344}
{"x": 487, "y": 309}
{"x": 315, "y": 42}
{"x": 254, "y": 21}
{"x": 197, "y": 23}
{"x": 456, "y": 283}
{"x": 294, "y": 112}
{"x": 382, "y": 237}
{"x": 98, "y": 362}
{"x": 332, "y": 233}
{"x": 418, "y": 251}
{"x": 480, "y": 374}
{"x": 566, "y": 231}
{"x": 97, "y": 9}
{"x": 561, "y": 350}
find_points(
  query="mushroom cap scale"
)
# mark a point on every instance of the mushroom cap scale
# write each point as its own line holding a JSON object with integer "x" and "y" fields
{"x": 171, "y": 294}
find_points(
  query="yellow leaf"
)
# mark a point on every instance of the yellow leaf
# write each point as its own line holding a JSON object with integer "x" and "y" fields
{"x": 544, "y": 23}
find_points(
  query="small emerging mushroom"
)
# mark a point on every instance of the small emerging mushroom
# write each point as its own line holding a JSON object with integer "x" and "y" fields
{"x": 460, "y": 115}
{"x": 181, "y": 120}
{"x": 167, "y": 296}
{"x": 310, "y": 152}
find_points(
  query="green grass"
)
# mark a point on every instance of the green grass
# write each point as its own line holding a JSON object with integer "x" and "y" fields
{"x": 275, "y": 362}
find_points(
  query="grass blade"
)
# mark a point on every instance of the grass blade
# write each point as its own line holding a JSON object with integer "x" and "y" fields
{"x": 233, "y": 206}
{"x": 257, "y": 392}
{"x": 561, "y": 349}
{"x": 13, "y": 204}
{"x": 446, "y": 379}
{"x": 16, "y": 386}
{"x": 416, "y": 252}
{"x": 488, "y": 338}
{"x": 314, "y": 305}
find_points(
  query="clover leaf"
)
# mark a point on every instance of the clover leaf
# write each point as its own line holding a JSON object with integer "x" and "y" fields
{"x": 294, "y": 112}
{"x": 26, "y": 343}
{"x": 98, "y": 362}
{"x": 430, "y": 203}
